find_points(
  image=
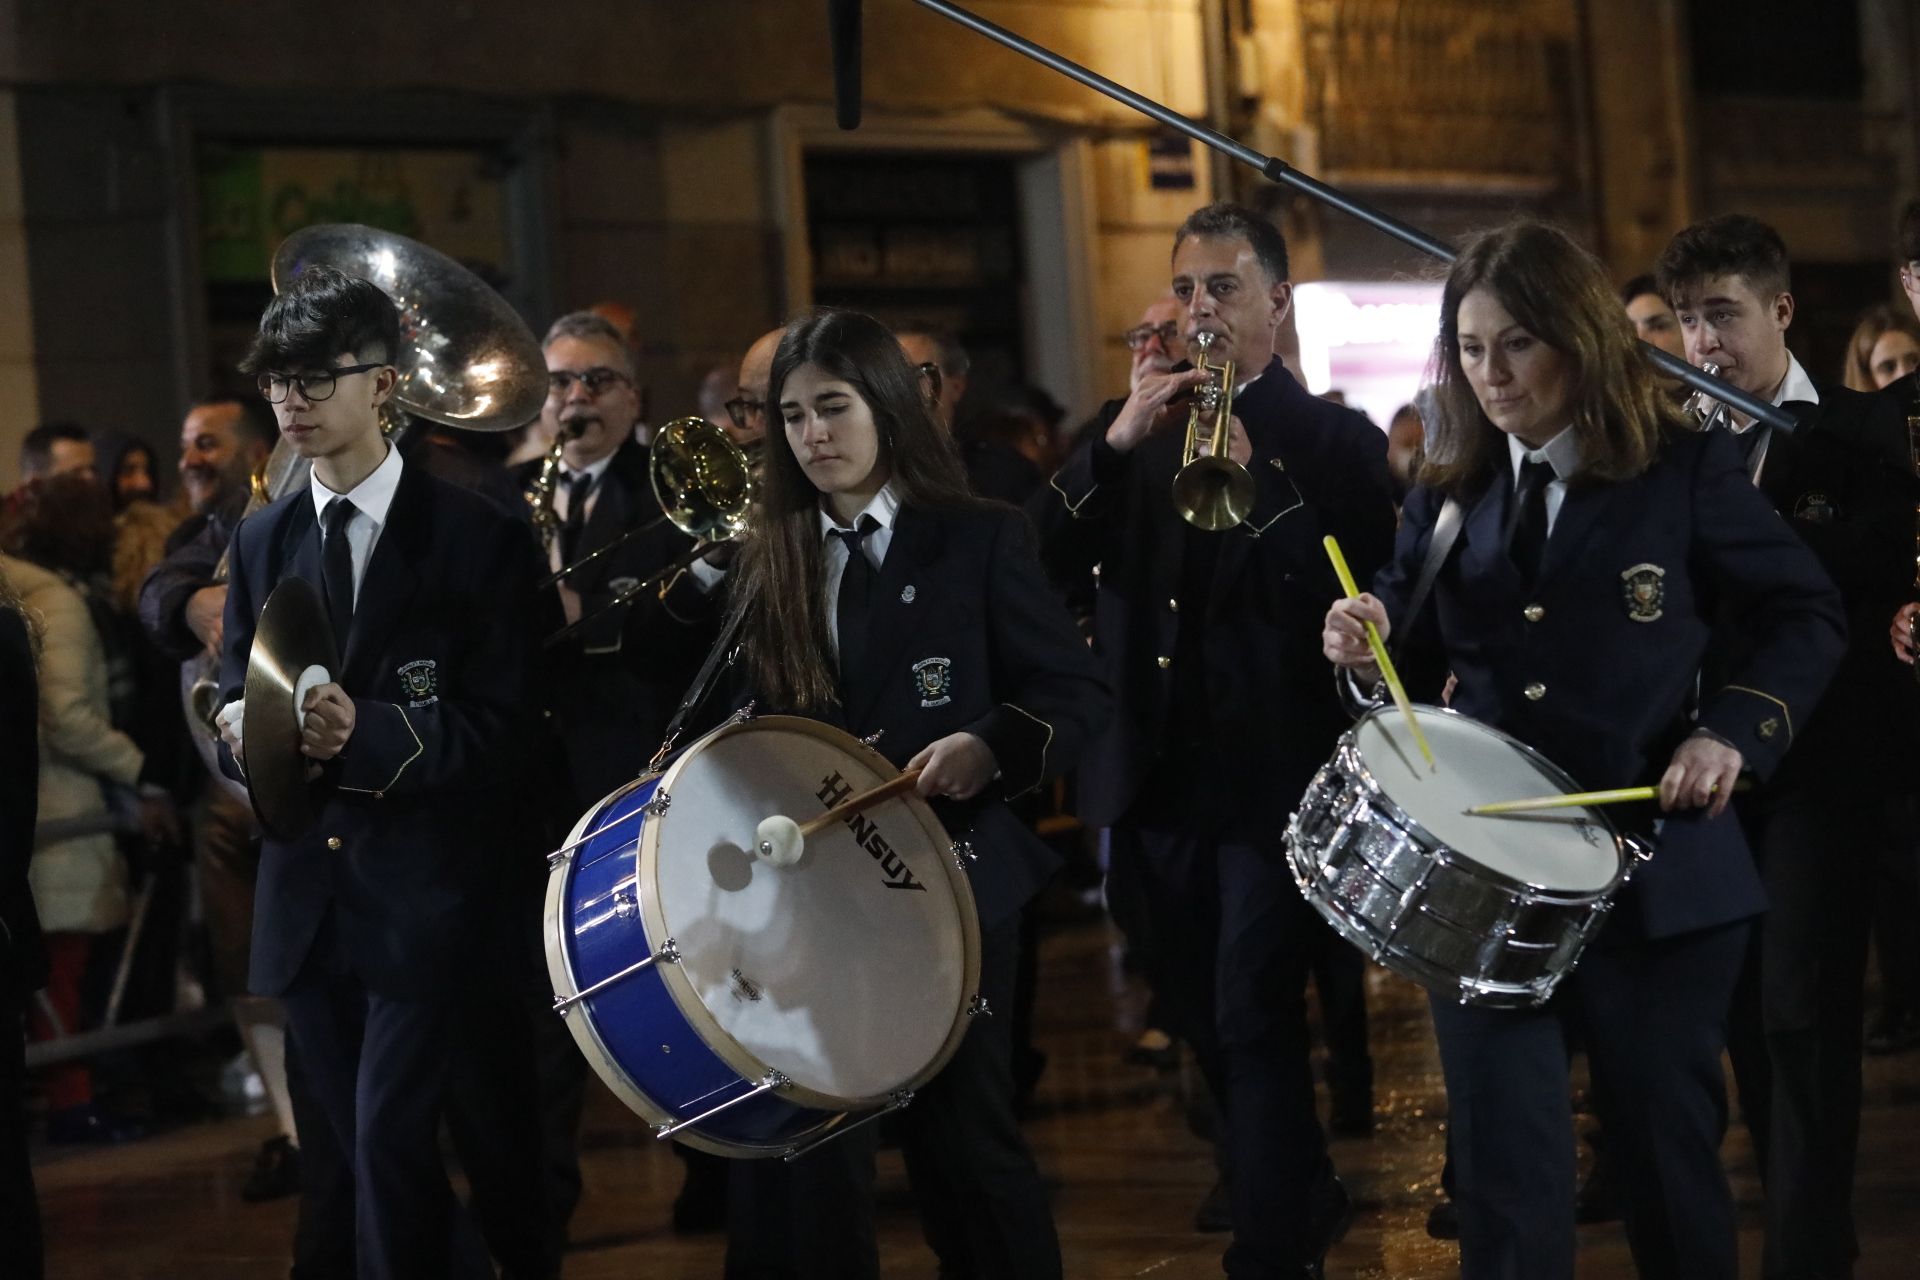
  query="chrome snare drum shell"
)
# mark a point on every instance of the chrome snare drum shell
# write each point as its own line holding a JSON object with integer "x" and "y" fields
{"x": 1428, "y": 910}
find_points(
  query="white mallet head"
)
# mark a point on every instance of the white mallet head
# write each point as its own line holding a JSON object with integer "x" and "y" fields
{"x": 778, "y": 840}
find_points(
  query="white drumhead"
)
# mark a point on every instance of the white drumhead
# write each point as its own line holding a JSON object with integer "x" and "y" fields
{"x": 1570, "y": 850}
{"x": 823, "y": 970}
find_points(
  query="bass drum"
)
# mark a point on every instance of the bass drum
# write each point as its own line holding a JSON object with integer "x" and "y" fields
{"x": 744, "y": 1008}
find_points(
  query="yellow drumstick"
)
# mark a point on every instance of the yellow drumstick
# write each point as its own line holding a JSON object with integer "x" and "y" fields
{"x": 1579, "y": 800}
{"x": 1380, "y": 657}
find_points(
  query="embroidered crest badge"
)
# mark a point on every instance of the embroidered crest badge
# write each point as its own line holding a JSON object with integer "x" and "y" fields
{"x": 1645, "y": 589}
{"x": 933, "y": 681}
{"x": 907, "y": 593}
{"x": 420, "y": 682}
{"x": 1815, "y": 508}
{"x": 622, "y": 585}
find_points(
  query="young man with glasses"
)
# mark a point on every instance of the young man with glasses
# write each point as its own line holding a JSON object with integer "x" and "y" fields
{"x": 370, "y": 926}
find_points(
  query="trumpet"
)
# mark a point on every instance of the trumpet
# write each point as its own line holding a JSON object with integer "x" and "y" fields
{"x": 1211, "y": 491}
{"x": 704, "y": 482}
{"x": 1706, "y": 410}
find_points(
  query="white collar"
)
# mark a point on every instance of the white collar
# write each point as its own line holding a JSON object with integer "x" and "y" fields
{"x": 372, "y": 496}
{"x": 1796, "y": 385}
{"x": 884, "y": 506}
{"x": 1562, "y": 453}
{"x": 593, "y": 470}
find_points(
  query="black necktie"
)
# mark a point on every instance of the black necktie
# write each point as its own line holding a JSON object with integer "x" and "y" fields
{"x": 579, "y": 485}
{"x": 1527, "y": 518}
{"x": 337, "y": 561}
{"x": 855, "y": 599}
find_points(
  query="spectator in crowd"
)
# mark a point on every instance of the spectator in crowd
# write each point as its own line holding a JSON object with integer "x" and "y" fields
{"x": 928, "y": 344}
{"x": 1406, "y": 437}
{"x": 1885, "y": 348}
{"x": 1653, "y": 319}
{"x": 223, "y": 444}
{"x": 141, "y": 523}
{"x": 57, "y": 449}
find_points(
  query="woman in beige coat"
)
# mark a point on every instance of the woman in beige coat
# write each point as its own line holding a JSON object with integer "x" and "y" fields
{"x": 78, "y": 875}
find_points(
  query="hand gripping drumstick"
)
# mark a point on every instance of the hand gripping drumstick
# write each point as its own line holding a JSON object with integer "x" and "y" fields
{"x": 781, "y": 840}
{"x": 1380, "y": 657}
{"x": 1578, "y": 800}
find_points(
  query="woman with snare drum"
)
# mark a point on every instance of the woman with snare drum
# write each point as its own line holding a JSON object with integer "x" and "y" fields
{"x": 1603, "y": 548}
{"x": 877, "y": 594}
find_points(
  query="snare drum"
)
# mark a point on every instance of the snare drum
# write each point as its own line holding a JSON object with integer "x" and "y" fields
{"x": 749, "y": 1009}
{"x": 1488, "y": 910}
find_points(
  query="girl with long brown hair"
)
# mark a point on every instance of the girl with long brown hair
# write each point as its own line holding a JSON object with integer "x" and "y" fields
{"x": 877, "y": 593}
{"x": 1602, "y": 545}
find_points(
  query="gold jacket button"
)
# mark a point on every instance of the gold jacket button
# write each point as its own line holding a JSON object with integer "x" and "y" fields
{"x": 1533, "y": 613}
{"x": 1535, "y": 691}
{"x": 1164, "y": 662}
{"x": 333, "y": 843}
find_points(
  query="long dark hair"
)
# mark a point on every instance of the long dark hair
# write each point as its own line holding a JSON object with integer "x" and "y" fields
{"x": 779, "y": 592}
{"x": 1558, "y": 292}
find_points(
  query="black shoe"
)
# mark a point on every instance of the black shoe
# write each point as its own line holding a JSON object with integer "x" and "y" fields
{"x": 1443, "y": 1221}
{"x": 1215, "y": 1213}
{"x": 1599, "y": 1199}
{"x": 276, "y": 1172}
{"x": 1351, "y": 1113}
{"x": 1892, "y": 1033}
{"x": 1328, "y": 1220}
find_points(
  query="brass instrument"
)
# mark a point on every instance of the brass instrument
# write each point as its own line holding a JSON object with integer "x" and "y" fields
{"x": 1211, "y": 491}
{"x": 704, "y": 482}
{"x": 539, "y": 495}
{"x": 1706, "y": 410}
{"x": 466, "y": 360}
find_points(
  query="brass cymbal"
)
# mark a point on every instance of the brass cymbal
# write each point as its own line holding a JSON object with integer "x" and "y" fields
{"x": 293, "y": 634}
{"x": 467, "y": 359}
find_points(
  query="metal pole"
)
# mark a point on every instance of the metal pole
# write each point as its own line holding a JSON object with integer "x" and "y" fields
{"x": 1279, "y": 171}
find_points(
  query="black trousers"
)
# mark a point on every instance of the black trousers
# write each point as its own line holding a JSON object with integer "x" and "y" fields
{"x": 1803, "y": 1020}
{"x": 1654, "y": 1018}
{"x": 20, "y": 1242}
{"x": 982, "y": 1204}
{"x": 1238, "y": 941}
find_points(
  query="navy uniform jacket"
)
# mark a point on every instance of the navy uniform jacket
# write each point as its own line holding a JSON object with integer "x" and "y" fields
{"x": 23, "y": 958}
{"x": 967, "y": 636}
{"x": 438, "y": 664}
{"x": 611, "y": 686}
{"x": 1843, "y": 480}
{"x": 1318, "y": 468}
{"x": 1596, "y": 664}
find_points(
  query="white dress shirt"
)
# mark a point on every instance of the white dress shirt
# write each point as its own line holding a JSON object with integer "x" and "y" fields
{"x": 563, "y": 500}
{"x": 1562, "y": 453}
{"x": 371, "y": 498}
{"x": 885, "y": 509}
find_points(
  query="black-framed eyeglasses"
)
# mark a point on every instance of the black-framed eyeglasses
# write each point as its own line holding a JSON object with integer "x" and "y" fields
{"x": 1137, "y": 338}
{"x": 931, "y": 372}
{"x": 314, "y": 387}
{"x": 743, "y": 410}
{"x": 596, "y": 380}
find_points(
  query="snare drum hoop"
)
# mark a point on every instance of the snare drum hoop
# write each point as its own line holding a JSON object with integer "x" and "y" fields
{"x": 1452, "y": 856}
{"x": 717, "y": 1039}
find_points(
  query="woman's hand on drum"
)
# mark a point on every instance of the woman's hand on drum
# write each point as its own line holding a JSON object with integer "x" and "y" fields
{"x": 1702, "y": 775}
{"x": 958, "y": 766}
{"x": 1344, "y": 639}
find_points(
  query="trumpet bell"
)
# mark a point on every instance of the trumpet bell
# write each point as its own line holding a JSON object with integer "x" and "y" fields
{"x": 704, "y": 481}
{"x": 466, "y": 358}
{"x": 1213, "y": 494}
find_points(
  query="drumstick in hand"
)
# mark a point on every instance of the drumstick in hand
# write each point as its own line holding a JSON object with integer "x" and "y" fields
{"x": 781, "y": 840}
{"x": 1380, "y": 657}
{"x": 1578, "y": 800}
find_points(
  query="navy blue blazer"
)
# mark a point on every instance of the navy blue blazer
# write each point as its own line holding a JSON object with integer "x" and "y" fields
{"x": 439, "y": 665}
{"x": 1318, "y": 468}
{"x": 966, "y": 635}
{"x": 1597, "y": 664}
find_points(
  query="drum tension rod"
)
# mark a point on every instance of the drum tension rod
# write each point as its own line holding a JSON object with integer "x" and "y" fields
{"x": 895, "y": 1101}
{"x": 768, "y": 1083}
{"x": 651, "y": 809}
{"x": 669, "y": 953}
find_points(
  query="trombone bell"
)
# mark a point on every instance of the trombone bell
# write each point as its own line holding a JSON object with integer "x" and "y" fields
{"x": 1211, "y": 491}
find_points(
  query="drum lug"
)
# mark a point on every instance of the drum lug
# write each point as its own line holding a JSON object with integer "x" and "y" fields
{"x": 669, "y": 953}
{"x": 873, "y": 738}
{"x": 559, "y": 856}
{"x": 978, "y": 1006}
{"x": 768, "y": 1083}
{"x": 660, "y": 803}
{"x": 741, "y": 716}
{"x": 963, "y": 854}
{"x": 625, "y": 905}
{"x": 1640, "y": 847}
{"x": 895, "y": 1101}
